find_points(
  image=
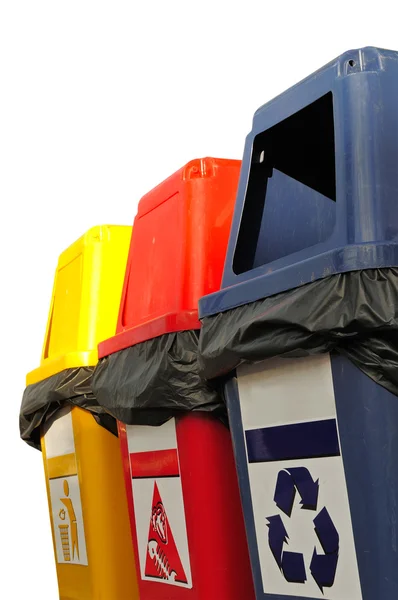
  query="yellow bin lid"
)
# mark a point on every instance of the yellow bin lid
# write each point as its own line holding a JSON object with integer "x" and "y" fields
{"x": 85, "y": 300}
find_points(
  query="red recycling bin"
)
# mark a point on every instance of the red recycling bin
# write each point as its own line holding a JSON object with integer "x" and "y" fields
{"x": 185, "y": 508}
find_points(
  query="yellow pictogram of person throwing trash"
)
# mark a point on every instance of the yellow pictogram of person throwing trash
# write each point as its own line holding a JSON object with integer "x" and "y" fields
{"x": 68, "y": 531}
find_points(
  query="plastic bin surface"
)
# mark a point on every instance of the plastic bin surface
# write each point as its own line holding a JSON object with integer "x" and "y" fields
{"x": 181, "y": 481}
{"x": 315, "y": 438}
{"x": 315, "y": 441}
{"x": 88, "y": 509}
{"x": 85, "y": 300}
{"x": 185, "y": 510}
{"x": 177, "y": 251}
{"x": 83, "y": 467}
{"x": 318, "y": 182}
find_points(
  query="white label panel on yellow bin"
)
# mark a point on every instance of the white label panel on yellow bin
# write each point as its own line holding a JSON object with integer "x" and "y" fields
{"x": 59, "y": 438}
{"x": 66, "y": 506}
{"x": 297, "y": 482}
{"x": 158, "y": 505}
{"x": 68, "y": 520}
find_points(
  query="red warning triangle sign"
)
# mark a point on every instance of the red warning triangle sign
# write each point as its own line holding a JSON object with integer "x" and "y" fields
{"x": 162, "y": 560}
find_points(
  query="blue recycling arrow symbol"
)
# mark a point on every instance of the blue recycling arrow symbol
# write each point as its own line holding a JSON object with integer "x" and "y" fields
{"x": 323, "y": 566}
{"x": 288, "y": 481}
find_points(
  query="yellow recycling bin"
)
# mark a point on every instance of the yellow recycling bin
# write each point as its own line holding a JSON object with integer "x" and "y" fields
{"x": 82, "y": 461}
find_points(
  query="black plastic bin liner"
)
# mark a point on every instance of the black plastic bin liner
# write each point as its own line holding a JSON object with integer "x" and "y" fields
{"x": 153, "y": 381}
{"x": 43, "y": 399}
{"x": 354, "y": 314}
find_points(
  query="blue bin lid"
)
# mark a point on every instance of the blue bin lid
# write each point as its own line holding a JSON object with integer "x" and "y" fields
{"x": 318, "y": 184}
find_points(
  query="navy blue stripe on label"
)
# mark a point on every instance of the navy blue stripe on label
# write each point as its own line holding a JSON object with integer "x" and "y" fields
{"x": 313, "y": 439}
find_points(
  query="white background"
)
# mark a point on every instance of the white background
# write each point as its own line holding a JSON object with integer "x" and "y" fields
{"x": 99, "y": 101}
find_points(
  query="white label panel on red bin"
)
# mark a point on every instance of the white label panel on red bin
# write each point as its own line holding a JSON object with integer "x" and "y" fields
{"x": 67, "y": 517}
{"x": 297, "y": 481}
{"x": 158, "y": 505}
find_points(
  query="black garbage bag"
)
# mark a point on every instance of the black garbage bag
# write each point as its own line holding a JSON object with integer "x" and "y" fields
{"x": 43, "y": 399}
{"x": 354, "y": 314}
{"x": 153, "y": 381}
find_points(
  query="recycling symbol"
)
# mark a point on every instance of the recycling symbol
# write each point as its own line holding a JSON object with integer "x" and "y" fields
{"x": 291, "y": 564}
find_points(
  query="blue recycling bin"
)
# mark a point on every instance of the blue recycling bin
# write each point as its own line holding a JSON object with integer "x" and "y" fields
{"x": 316, "y": 438}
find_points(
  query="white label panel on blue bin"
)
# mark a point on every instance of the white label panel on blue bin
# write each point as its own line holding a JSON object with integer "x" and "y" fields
{"x": 298, "y": 488}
